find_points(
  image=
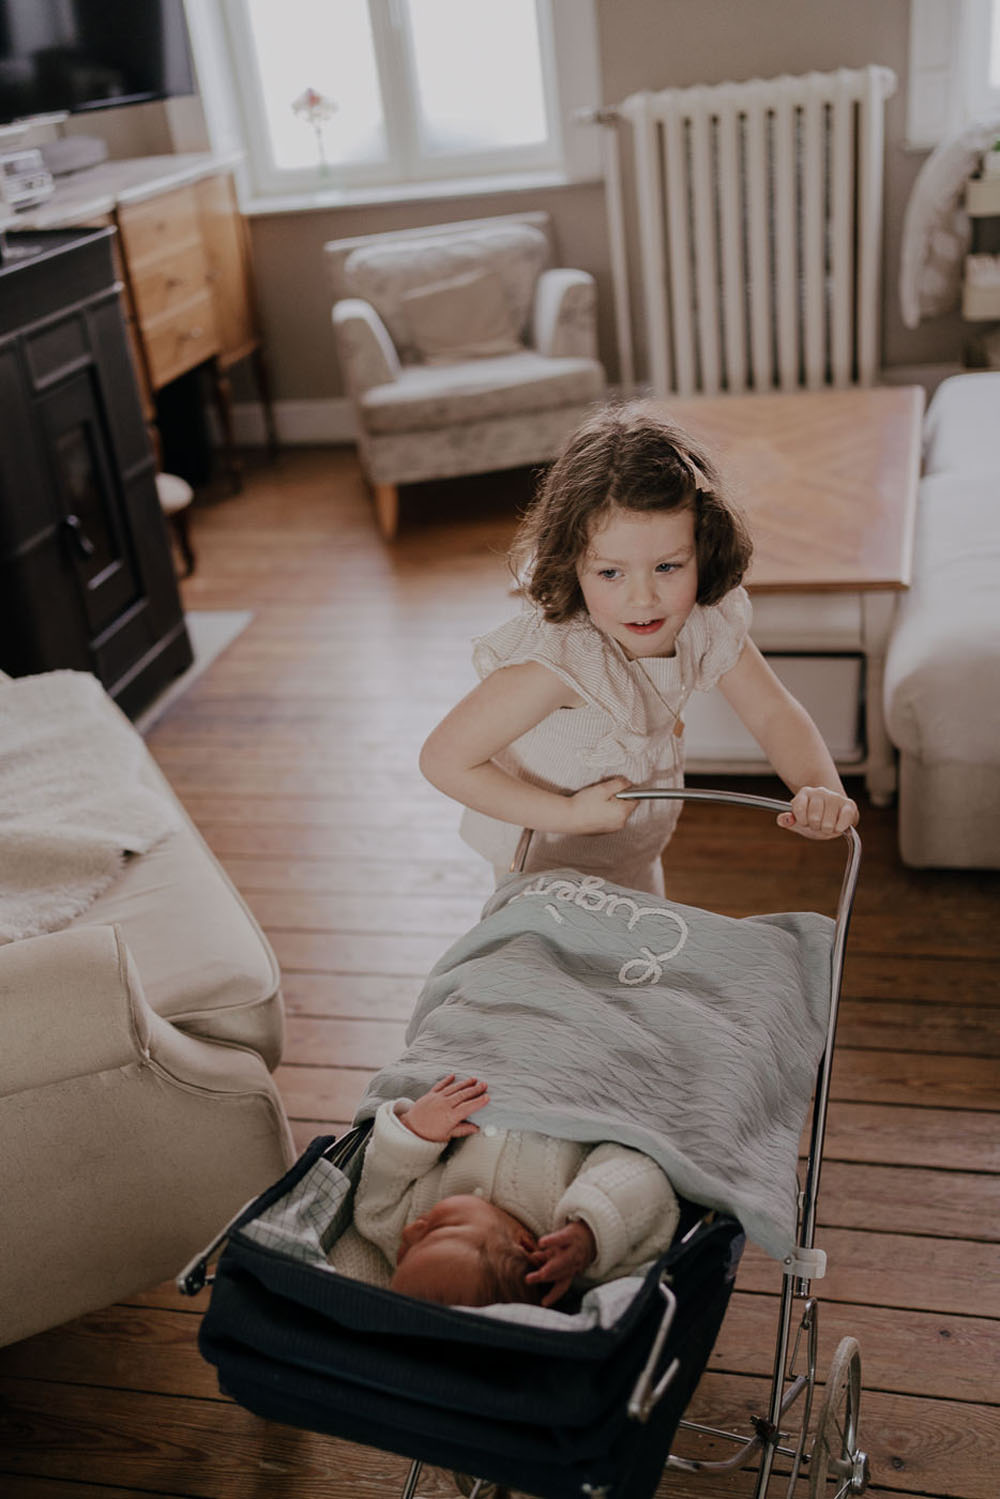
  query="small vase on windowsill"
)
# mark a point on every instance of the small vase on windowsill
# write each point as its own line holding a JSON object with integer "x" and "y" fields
{"x": 316, "y": 109}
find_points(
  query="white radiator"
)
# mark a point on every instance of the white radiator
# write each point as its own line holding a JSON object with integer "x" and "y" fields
{"x": 759, "y": 214}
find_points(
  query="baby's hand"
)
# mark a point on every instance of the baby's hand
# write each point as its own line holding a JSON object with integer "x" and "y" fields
{"x": 596, "y": 809}
{"x": 816, "y": 812}
{"x": 560, "y": 1256}
{"x": 442, "y": 1113}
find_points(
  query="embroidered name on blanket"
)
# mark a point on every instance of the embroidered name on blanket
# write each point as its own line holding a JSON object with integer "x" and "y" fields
{"x": 592, "y": 894}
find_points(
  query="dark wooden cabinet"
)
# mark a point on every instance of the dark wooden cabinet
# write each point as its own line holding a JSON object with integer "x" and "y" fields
{"x": 86, "y": 575}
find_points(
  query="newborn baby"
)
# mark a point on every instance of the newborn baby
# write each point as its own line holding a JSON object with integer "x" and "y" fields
{"x": 472, "y": 1217}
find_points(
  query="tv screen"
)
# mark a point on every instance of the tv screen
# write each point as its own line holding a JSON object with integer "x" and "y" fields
{"x": 77, "y": 55}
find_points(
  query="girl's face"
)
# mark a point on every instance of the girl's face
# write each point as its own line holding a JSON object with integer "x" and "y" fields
{"x": 639, "y": 578}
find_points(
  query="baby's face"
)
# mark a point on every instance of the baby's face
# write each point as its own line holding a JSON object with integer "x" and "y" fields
{"x": 440, "y": 1254}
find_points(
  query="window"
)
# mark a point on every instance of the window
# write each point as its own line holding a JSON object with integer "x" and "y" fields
{"x": 351, "y": 95}
{"x": 954, "y": 67}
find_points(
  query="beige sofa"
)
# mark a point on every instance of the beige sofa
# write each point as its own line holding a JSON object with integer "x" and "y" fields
{"x": 137, "y": 1110}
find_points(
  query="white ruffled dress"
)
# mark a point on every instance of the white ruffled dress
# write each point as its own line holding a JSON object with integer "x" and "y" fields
{"x": 631, "y": 724}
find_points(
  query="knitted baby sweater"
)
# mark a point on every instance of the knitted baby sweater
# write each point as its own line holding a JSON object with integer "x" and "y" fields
{"x": 622, "y": 1195}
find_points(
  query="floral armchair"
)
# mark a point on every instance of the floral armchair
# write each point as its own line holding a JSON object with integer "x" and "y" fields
{"x": 463, "y": 349}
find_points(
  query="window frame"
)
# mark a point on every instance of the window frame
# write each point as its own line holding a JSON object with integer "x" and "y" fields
{"x": 948, "y": 69}
{"x": 568, "y": 36}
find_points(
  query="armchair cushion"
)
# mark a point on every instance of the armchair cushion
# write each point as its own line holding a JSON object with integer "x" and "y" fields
{"x": 383, "y": 273}
{"x": 430, "y": 397}
{"x": 464, "y": 317}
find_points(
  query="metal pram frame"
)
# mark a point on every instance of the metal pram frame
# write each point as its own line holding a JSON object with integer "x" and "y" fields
{"x": 834, "y": 1453}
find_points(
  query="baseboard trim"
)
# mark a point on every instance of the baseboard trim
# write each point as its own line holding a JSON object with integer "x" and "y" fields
{"x": 298, "y": 423}
{"x": 314, "y": 423}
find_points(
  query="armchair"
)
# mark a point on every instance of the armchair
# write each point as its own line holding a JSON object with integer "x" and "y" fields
{"x": 463, "y": 348}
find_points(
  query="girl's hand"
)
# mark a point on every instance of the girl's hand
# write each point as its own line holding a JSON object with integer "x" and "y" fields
{"x": 442, "y": 1113}
{"x": 560, "y": 1256}
{"x": 816, "y": 812}
{"x": 596, "y": 809}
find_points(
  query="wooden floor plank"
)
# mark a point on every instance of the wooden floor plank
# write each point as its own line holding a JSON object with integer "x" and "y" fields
{"x": 950, "y": 1082}
{"x": 946, "y": 1138}
{"x": 908, "y": 1352}
{"x": 903, "y": 1270}
{"x": 956, "y": 1028}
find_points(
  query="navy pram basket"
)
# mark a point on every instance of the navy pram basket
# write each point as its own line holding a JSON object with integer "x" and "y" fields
{"x": 557, "y": 1414}
{"x": 558, "y": 1406}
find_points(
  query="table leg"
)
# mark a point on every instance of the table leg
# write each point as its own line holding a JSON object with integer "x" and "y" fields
{"x": 877, "y": 613}
{"x": 223, "y": 392}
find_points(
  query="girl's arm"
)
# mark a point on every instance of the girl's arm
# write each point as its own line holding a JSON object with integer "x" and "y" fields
{"x": 820, "y": 807}
{"x": 457, "y": 757}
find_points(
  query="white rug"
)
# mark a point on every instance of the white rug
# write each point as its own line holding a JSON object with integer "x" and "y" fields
{"x": 211, "y": 630}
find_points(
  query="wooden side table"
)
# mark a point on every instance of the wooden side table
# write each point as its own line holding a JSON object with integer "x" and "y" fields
{"x": 828, "y": 482}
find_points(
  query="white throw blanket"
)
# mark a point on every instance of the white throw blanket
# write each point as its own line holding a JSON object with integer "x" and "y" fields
{"x": 71, "y": 802}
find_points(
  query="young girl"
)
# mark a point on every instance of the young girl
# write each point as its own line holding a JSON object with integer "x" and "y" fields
{"x": 632, "y": 559}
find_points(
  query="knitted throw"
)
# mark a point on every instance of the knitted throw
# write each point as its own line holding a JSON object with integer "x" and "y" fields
{"x": 72, "y": 807}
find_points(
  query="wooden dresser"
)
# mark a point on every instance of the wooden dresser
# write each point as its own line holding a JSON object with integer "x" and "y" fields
{"x": 184, "y": 262}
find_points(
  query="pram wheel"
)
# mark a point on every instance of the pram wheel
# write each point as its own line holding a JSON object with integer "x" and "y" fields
{"x": 479, "y": 1488}
{"x": 835, "y": 1453}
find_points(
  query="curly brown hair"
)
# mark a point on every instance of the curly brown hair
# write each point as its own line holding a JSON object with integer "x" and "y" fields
{"x": 625, "y": 457}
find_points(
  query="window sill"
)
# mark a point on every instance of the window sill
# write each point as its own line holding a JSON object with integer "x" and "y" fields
{"x": 323, "y": 199}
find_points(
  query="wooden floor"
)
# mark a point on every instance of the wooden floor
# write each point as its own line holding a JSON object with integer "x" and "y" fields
{"x": 296, "y": 754}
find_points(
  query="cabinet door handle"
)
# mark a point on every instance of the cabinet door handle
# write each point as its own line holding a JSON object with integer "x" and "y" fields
{"x": 81, "y": 541}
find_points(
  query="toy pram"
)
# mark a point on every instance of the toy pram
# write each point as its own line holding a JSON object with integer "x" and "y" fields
{"x": 586, "y": 1407}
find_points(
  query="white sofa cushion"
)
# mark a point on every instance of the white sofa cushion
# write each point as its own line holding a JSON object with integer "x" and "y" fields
{"x": 383, "y": 273}
{"x": 428, "y": 397}
{"x": 942, "y": 671}
{"x": 962, "y": 425}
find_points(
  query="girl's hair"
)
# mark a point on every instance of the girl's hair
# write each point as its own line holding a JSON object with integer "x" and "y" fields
{"x": 625, "y": 458}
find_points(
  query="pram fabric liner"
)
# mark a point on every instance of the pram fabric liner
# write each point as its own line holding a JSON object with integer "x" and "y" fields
{"x": 596, "y": 1013}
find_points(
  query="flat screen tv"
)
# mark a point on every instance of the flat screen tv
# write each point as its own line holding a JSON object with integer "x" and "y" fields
{"x": 78, "y": 55}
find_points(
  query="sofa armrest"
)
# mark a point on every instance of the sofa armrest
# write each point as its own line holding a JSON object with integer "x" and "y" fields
{"x": 126, "y": 1142}
{"x": 70, "y": 1005}
{"x": 565, "y": 314}
{"x": 367, "y": 353}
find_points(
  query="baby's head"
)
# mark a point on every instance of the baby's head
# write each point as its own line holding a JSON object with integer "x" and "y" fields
{"x": 625, "y": 458}
{"x": 465, "y": 1252}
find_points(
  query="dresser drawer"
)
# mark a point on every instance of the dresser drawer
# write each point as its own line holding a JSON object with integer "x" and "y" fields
{"x": 163, "y": 285}
{"x": 160, "y": 226}
{"x": 179, "y": 341}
